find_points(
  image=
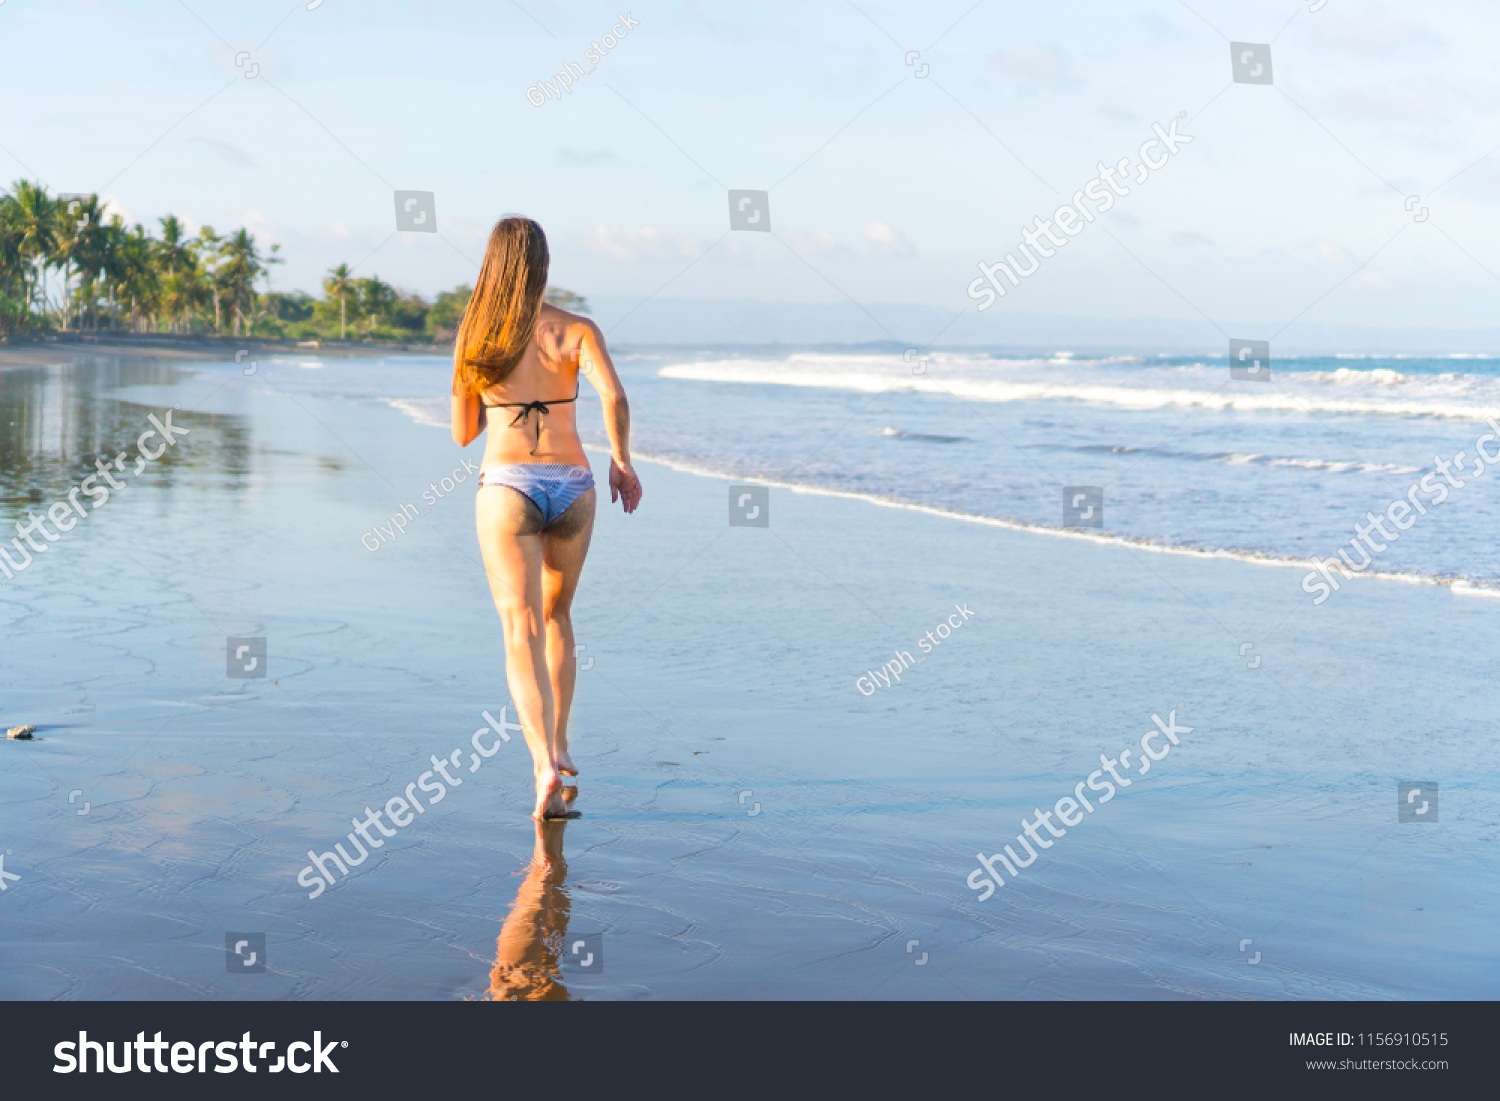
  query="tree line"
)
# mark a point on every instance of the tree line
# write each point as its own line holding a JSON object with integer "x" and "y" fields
{"x": 67, "y": 265}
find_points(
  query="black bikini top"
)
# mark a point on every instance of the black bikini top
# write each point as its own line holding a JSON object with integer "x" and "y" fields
{"x": 526, "y": 408}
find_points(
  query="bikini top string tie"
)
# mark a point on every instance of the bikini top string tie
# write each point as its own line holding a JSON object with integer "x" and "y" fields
{"x": 526, "y": 408}
{"x": 524, "y": 417}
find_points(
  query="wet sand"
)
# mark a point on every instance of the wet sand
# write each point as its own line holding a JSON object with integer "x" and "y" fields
{"x": 755, "y": 825}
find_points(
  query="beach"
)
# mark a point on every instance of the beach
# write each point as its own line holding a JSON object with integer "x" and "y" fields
{"x": 766, "y": 814}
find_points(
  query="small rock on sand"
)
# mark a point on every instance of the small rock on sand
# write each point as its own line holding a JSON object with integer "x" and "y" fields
{"x": 21, "y": 733}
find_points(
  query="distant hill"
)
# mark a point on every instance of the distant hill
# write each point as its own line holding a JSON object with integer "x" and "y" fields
{"x": 669, "y": 321}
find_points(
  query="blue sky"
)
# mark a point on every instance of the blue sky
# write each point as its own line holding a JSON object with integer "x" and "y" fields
{"x": 886, "y": 186}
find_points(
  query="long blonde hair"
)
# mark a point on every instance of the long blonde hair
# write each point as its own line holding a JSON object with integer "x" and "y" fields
{"x": 502, "y": 312}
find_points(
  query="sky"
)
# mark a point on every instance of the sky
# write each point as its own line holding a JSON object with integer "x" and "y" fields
{"x": 900, "y": 144}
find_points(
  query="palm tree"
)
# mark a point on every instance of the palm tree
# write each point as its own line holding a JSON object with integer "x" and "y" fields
{"x": 208, "y": 250}
{"x": 133, "y": 274}
{"x": 80, "y": 245}
{"x": 177, "y": 269}
{"x": 34, "y": 225}
{"x": 113, "y": 263}
{"x": 340, "y": 282}
{"x": 10, "y": 259}
{"x": 173, "y": 250}
{"x": 565, "y": 299}
{"x": 273, "y": 256}
{"x": 181, "y": 290}
{"x": 240, "y": 267}
{"x": 376, "y": 299}
{"x": 166, "y": 281}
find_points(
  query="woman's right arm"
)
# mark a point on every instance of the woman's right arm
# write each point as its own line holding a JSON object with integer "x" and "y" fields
{"x": 594, "y": 363}
{"x": 468, "y": 415}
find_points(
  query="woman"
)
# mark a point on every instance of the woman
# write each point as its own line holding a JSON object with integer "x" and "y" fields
{"x": 517, "y": 360}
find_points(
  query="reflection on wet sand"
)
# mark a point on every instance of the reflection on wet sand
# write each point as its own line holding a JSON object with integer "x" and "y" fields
{"x": 55, "y": 420}
{"x": 528, "y": 955}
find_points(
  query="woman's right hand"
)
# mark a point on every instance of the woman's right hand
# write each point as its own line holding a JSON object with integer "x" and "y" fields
{"x": 624, "y": 486}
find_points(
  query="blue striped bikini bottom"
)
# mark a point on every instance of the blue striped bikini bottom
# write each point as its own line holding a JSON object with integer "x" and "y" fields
{"x": 552, "y": 487}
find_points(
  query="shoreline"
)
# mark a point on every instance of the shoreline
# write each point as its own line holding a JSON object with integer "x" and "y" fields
{"x": 1461, "y": 585}
{"x": 67, "y": 347}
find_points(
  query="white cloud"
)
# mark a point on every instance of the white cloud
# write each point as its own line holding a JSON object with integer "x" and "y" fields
{"x": 820, "y": 242}
{"x": 646, "y": 243}
{"x": 888, "y": 239}
{"x": 258, "y": 224}
{"x": 110, "y": 206}
{"x": 1330, "y": 251}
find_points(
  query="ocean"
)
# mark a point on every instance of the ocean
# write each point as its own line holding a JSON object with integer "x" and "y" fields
{"x": 1187, "y": 459}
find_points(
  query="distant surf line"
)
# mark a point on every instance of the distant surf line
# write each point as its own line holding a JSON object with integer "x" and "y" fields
{"x": 1465, "y": 585}
{"x": 1119, "y": 396}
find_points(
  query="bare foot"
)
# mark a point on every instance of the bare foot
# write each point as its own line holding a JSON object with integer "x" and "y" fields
{"x": 549, "y": 799}
{"x": 565, "y": 763}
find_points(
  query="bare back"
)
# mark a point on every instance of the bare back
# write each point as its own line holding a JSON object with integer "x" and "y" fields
{"x": 548, "y": 373}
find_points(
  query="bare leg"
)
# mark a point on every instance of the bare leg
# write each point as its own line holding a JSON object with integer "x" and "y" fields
{"x": 565, "y": 544}
{"x": 511, "y": 541}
